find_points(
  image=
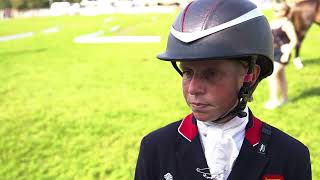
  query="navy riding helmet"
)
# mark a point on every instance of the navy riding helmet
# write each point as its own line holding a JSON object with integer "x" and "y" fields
{"x": 222, "y": 29}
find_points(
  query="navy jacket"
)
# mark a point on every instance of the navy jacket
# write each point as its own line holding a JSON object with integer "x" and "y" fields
{"x": 174, "y": 152}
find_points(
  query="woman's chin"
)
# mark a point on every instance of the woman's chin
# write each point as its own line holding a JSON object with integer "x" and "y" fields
{"x": 204, "y": 117}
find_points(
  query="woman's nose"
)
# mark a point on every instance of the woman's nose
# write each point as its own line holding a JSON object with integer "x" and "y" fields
{"x": 196, "y": 85}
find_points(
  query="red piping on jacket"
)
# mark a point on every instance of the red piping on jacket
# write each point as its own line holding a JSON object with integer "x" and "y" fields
{"x": 253, "y": 134}
{"x": 189, "y": 130}
{"x": 272, "y": 177}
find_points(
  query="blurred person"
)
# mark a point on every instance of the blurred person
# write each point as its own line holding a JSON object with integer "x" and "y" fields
{"x": 284, "y": 41}
{"x": 222, "y": 49}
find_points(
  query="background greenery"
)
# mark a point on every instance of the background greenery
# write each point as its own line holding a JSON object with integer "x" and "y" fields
{"x": 79, "y": 111}
{"x": 30, "y": 4}
{"x": 33, "y": 4}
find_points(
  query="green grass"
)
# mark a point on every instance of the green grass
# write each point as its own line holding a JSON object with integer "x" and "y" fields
{"x": 79, "y": 111}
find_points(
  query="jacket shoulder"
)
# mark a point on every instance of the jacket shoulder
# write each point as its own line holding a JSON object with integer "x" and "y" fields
{"x": 285, "y": 148}
{"x": 155, "y": 148}
{"x": 288, "y": 154}
{"x": 286, "y": 141}
{"x": 163, "y": 134}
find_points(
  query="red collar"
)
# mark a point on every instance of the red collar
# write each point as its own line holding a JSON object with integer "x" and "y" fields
{"x": 189, "y": 130}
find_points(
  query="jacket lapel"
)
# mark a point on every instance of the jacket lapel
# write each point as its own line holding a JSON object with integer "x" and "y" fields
{"x": 189, "y": 154}
{"x": 249, "y": 164}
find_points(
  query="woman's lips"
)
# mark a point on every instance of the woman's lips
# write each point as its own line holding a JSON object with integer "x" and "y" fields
{"x": 198, "y": 105}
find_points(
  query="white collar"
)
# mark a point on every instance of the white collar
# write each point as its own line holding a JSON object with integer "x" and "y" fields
{"x": 231, "y": 127}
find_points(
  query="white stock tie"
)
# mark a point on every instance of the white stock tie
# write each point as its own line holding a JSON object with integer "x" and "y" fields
{"x": 221, "y": 143}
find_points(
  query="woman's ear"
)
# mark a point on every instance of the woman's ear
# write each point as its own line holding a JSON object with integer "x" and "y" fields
{"x": 255, "y": 74}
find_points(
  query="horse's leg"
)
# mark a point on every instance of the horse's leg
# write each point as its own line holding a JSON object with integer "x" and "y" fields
{"x": 297, "y": 60}
{"x": 297, "y": 50}
{"x": 299, "y": 24}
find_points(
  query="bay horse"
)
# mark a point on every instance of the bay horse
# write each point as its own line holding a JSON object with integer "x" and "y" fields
{"x": 303, "y": 14}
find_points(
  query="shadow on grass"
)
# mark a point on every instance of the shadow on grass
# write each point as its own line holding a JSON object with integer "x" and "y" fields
{"x": 22, "y": 52}
{"x": 311, "y": 61}
{"x": 308, "y": 93}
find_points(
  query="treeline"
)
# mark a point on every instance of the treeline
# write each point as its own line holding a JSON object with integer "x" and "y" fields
{"x": 29, "y": 4}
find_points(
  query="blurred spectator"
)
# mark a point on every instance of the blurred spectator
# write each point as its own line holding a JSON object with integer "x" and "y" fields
{"x": 7, "y": 13}
{"x": 284, "y": 41}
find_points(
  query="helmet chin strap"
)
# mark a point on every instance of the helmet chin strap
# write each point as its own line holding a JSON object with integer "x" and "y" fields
{"x": 174, "y": 64}
{"x": 244, "y": 94}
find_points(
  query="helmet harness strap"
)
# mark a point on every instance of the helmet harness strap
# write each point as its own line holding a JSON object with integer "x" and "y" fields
{"x": 244, "y": 93}
{"x": 174, "y": 64}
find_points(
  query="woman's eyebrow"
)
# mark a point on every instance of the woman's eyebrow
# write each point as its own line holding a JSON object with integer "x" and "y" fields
{"x": 183, "y": 66}
{"x": 211, "y": 69}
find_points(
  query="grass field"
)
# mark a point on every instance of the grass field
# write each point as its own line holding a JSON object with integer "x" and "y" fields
{"x": 79, "y": 111}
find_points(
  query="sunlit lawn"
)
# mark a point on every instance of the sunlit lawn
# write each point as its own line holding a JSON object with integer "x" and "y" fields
{"x": 79, "y": 111}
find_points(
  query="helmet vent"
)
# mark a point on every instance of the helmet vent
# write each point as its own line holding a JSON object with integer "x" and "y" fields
{"x": 184, "y": 16}
{"x": 210, "y": 11}
{"x": 188, "y": 37}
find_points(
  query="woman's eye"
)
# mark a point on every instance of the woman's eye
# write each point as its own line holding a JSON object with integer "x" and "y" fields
{"x": 187, "y": 73}
{"x": 213, "y": 73}
{"x": 209, "y": 74}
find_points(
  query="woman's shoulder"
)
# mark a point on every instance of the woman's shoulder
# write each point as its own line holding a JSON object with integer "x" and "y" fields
{"x": 164, "y": 133}
{"x": 280, "y": 23}
{"x": 277, "y": 23}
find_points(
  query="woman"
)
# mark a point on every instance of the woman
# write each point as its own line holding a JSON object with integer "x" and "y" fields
{"x": 284, "y": 41}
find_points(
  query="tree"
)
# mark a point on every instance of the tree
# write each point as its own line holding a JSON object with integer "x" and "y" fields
{"x": 5, "y": 4}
